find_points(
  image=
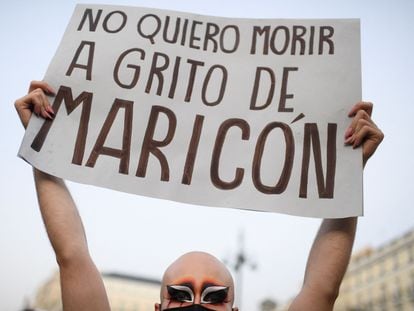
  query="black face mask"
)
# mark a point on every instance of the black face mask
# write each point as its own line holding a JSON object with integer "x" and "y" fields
{"x": 190, "y": 308}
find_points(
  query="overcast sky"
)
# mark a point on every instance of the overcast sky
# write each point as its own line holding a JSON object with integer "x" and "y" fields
{"x": 141, "y": 236}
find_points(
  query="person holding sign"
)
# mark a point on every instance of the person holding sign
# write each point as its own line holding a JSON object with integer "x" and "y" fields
{"x": 196, "y": 280}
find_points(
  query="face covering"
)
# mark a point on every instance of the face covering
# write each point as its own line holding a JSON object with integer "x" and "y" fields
{"x": 189, "y": 308}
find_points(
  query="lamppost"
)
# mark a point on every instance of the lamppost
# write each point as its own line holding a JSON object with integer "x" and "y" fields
{"x": 241, "y": 260}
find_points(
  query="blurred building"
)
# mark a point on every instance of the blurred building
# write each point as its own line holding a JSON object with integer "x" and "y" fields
{"x": 268, "y": 305}
{"x": 380, "y": 278}
{"x": 285, "y": 306}
{"x": 125, "y": 293}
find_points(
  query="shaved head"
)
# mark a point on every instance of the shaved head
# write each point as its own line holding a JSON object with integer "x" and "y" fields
{"x": 197, "y": 271}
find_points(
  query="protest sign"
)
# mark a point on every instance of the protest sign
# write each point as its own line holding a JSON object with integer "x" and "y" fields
{"x": 243, "y": 113}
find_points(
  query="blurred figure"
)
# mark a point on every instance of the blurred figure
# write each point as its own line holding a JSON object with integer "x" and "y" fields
{"x": 196, "y": 280}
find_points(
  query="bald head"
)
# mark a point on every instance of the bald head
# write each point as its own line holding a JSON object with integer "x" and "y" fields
{"x": 198, "y": 271}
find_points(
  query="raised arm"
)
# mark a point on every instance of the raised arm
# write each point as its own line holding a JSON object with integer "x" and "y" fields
{"x": 81, "y": 282}
{"x": 331, "y": 250}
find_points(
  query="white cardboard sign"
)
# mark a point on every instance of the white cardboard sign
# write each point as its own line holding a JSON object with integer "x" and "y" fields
{"x": 243, "y": 113}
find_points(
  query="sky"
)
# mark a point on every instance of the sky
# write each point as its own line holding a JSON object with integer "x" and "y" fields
{"x": 141, "y": 236}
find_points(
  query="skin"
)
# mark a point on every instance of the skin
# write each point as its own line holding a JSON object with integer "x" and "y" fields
{"x": 196, "y": 268}
{"x": 82, "y": 285}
